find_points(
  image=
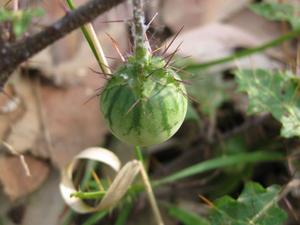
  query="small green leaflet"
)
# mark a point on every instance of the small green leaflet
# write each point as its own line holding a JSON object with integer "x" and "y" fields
{"x": 185, "y": 217}
{"x": 20, "y": 19}
{"x": 278, "y": 12}
{"x": 274, "y": 92}
{"x": 209, "y": 90}
{"x": 255, "y": 206}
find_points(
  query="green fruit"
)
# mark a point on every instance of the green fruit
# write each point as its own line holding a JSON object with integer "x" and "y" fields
{"x": 144, "y": 103}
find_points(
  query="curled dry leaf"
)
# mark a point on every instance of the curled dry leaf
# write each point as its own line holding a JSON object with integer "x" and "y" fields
{"x": 115, "y": 192}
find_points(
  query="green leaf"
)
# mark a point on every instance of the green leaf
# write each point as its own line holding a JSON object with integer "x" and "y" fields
{"x": 186, "y": 218}
{"x": 278, "y": 12}
{"x": 95, "y": 218}
{"x": 191, "y": 114}
{"x": 124, "y": 213}
{"x": 20, "y": 19}
{"x": 210, "y": 91}
{"x": 220, "y": 162}
{"x": 274, "y": 92}
{"x": 255, "y": 206}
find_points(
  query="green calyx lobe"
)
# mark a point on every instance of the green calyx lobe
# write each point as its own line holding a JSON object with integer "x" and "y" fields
{"x": 144, "y": 103}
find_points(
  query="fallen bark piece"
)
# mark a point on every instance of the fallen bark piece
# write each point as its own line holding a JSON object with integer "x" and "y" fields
{"x": 13, "y": 177}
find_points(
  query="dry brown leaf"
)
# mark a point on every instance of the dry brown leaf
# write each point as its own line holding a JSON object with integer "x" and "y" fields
{"x": 11, "y": 109}
{"x": 57, "y": 124}
{"x": 247, "y": 21}
{"x": 15, "y": 182}
{"x": 25, "y": 130}
{"x": 192, "y": 13}
{"x": 71, "y": 124}
{"x": 205, "y": 43}
{"x": 72, "y": 56}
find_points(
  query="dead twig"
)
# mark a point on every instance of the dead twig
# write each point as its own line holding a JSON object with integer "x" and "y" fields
{"x": 12, "y": 55}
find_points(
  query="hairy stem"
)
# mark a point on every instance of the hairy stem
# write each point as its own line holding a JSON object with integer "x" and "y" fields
{"x": 148, "y": 187}
{"x": 139, "y": 29}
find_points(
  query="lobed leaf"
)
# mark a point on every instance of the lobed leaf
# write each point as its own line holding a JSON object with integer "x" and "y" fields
{"x": 274, "y": 92}
{"x": 278, "y": 12}
{"x": 255, "y": 206}
{"x": 20, "y": 19}
{"x": 220, "y": 162}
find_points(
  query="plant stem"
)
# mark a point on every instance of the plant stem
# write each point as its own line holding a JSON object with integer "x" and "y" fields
{"x": 148, "y": 187}
{"x": 139, "y": 29}
{"x": 89, "y": 195}
{"x": 139, "y": 154}
{"x": 247, "y": 52}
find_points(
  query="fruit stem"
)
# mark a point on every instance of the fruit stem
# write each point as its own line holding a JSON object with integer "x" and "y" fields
{"x": 141, "y": 45}
{"x": 148, "y": 188}
{"x": 139, "y": 154}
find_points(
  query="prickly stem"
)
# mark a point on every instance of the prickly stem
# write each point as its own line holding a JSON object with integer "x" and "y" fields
{"x": 141, "y": 45}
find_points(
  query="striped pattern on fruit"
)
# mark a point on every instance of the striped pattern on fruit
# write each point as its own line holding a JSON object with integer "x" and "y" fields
{"x": 144, "y": 103}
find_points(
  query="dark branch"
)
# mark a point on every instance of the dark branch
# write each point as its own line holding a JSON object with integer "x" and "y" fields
{"x": 12, "y": 55}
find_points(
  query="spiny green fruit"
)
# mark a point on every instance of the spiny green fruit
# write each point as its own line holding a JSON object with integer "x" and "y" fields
{"x": 144, "y": 103}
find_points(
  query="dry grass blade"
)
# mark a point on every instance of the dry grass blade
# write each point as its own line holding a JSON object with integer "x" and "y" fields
{"x": 120, "y": 185}
{"x": 67, "y": 187}
{"x": 115, "y": 192}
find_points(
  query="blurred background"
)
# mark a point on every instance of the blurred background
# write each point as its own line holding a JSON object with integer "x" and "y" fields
{"x": 52, "y": 116}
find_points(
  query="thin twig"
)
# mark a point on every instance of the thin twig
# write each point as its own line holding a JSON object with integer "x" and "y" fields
{"x": 102, "y": 61}
{"x": 151, "y": 196}
{"x": 12, "y": 55}
{"x": 21, "y": 157}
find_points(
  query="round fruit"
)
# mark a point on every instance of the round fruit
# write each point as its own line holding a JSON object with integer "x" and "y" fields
{"x": 144, "y": 103}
